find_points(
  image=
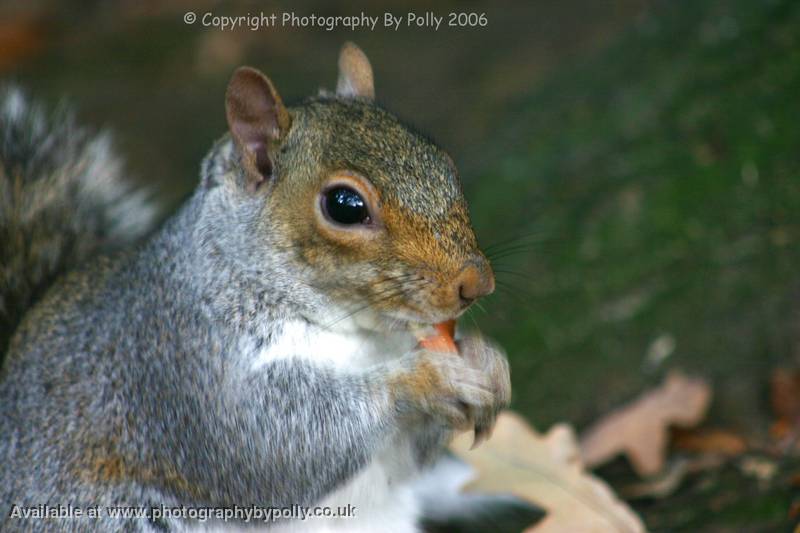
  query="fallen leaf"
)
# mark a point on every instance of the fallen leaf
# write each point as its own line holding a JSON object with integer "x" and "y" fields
{"x": 785, "y": 393}
{"x": 718, "y": 441}
{"x": 640, "y": 429}
{"x": 547, "y": 471}
{"x": 785, "y": 401}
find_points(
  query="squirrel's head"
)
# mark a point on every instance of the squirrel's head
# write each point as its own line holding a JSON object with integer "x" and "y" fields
{"x": 364, "y": 210}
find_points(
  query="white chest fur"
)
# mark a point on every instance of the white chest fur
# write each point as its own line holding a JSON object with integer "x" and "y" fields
{"x": 382, "y": 493}
{"x": 345, "y": 349}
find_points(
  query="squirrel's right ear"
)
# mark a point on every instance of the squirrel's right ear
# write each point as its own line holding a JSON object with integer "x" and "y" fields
{"x": 257, "y": 120}
{"x": 355, "y": 73}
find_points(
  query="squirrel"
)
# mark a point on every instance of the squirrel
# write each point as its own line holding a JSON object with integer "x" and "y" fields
{"x": 254, "y": 350}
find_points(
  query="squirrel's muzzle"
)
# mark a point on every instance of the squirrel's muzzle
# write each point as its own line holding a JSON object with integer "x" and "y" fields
{"x": 476, "y": 279}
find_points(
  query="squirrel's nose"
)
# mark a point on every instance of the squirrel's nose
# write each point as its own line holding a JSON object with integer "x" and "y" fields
{"x": 474, "y": 281}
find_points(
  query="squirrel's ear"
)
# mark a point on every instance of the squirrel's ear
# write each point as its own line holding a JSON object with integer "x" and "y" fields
{"x": 355, "y": 73}
{"x": 257, "y": 120}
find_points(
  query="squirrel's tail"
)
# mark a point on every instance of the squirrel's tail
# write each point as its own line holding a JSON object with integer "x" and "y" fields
{"x": 62, "y": 199}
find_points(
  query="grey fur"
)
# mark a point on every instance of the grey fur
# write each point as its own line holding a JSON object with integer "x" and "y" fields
{"x": 62, "y": 199}
{"x": 130, "y": 382}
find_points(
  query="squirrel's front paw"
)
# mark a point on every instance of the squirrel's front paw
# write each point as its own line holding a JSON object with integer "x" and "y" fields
{"x": 487, "y": 357}
{"x": 446, "y": 386}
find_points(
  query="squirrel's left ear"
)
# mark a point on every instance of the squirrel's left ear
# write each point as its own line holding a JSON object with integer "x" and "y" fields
{"x": 355, "y": 73}
{"x": 257, "y": 120}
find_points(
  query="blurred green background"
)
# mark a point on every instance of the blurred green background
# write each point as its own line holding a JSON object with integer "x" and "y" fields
{"x": 637, "y": 161}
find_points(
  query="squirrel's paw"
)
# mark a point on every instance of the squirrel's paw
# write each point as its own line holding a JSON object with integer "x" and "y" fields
{"x": 490, "y": 360}
{"x": 444, "y": 386}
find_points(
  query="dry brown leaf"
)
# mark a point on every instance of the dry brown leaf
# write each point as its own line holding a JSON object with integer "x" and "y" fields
{"x": 640, "y": 429}
{"x": 785, "y": 401}
{"x": 785, "y": 393}
{"x": 717, "y": 441}
{"x": 546, "y": 471}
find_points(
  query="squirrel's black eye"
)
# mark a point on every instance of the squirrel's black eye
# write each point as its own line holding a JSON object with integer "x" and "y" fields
{"x": 345, "y": 206}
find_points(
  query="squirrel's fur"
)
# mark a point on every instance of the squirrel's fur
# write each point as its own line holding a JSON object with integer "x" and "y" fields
{"x": 62, "y": 199}
{"x": 249, "y": 352}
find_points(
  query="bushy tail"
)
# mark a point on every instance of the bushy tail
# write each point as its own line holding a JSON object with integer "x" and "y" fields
{"x": 62, "y": 199}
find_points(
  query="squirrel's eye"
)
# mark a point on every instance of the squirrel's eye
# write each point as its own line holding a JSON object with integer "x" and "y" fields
{"x": 345, "y": 206}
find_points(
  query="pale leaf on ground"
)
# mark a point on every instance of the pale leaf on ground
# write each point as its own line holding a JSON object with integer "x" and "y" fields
{"x": 545, "y": 470}
{"x": 640, "y": 430}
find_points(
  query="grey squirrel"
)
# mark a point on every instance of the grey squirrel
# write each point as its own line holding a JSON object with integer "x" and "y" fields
{"x": 257, "y": 348}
